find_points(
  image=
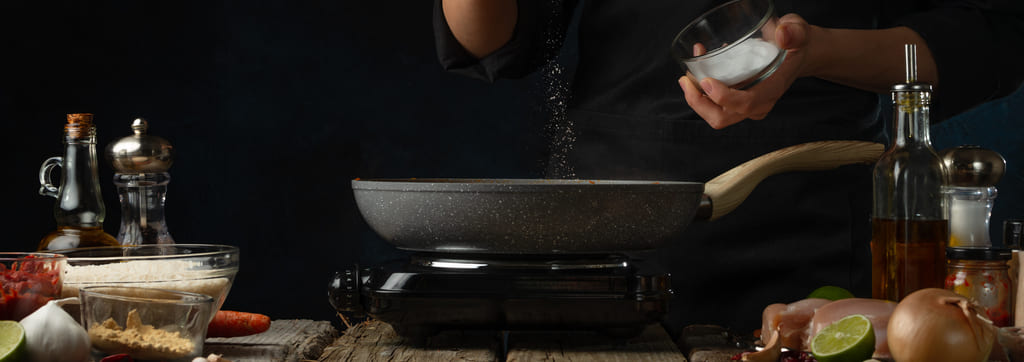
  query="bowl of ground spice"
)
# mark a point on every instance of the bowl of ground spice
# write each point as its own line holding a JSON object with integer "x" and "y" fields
{"x": 147, "y": 324}
{"x": 195, "y": 268}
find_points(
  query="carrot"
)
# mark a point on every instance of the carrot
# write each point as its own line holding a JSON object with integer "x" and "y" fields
{"x": 227, "y": 323}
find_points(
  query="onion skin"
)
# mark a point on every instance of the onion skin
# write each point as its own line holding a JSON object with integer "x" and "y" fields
{"x": 939, "y": 325}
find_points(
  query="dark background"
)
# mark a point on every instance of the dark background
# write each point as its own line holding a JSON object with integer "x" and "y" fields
{"x": 273, "y": 108}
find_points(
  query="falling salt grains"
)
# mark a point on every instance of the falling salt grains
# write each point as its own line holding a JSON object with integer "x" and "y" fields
{"x": 559, "y": 128}
{"x": 556, "y": 93}
{"x": 737, "y": 64}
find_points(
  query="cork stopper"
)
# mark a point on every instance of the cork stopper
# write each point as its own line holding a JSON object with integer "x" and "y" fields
{"x": 79, "y": 125}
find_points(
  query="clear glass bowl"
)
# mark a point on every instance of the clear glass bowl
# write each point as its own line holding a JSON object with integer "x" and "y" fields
{"x": 28, "y": 281}
{"x": 733, "y": 43}
{"x": 145, "y": 323}
{"x": 195, "y": 268}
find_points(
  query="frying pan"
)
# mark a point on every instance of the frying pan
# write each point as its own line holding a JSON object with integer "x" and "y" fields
{"x": 541, "y": 216}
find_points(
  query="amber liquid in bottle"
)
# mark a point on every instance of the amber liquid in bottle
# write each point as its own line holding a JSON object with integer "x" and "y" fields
{"x": 911, "y": 254}
{"x": 66, "y": 237}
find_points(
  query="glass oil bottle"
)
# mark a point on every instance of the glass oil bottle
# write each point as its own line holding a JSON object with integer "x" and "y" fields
{"x": 910, "y": 228}
{"x": 79, "y": 210}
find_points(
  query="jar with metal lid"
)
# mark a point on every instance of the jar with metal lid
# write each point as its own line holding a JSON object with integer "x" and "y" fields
{"x": 973, "y": 173}
{"x": 141, "y": 162}
{"x": 982, "y": 275}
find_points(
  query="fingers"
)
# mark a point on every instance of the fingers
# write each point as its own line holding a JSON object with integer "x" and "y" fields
{"x": 698, "y": 49}
{"x": 703, "y": 103}
{"x": 791, "y": 32}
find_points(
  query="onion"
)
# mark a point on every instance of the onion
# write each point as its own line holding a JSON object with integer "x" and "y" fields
{"x": 939, "y": 325}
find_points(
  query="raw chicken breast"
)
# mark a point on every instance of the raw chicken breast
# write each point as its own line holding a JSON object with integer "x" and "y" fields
{"x": 792, "y": 320}
{"x": 878, "y": 311}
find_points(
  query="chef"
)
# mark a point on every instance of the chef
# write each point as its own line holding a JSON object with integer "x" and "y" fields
{"x": 635, "y": 116}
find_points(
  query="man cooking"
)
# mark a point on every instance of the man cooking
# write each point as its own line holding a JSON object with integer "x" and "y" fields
{"x": 796, "y": 231}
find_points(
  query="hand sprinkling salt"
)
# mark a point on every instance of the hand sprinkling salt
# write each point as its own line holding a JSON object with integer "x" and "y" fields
{"x": 737, "y": 64}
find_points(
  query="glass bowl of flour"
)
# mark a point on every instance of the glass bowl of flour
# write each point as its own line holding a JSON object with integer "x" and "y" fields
{"x": 733, "y": 43}
{"x": 195, "y": 268}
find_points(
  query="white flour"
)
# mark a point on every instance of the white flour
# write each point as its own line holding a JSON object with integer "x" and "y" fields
{"x": 178, "y": 275}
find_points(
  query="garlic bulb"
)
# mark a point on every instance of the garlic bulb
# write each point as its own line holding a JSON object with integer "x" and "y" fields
{"x": 51, "y": 334}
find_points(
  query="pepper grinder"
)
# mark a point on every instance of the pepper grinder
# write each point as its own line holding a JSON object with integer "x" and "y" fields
{"x": 140, "y": 164}
{"x": 973, "y": 172}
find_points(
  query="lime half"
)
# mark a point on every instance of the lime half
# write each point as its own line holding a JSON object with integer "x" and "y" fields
{"x": 831, "y": 292}
{"x": 12, "y": 341}
{"x": 850, "y": 339}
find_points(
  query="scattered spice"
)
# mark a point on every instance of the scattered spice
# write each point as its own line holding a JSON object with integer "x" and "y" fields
{"x": 140, "y": 340}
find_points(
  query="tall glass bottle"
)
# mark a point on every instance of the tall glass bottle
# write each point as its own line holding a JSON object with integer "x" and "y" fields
{"x": 909, "y": 227}
{"x": 79, "y": 210}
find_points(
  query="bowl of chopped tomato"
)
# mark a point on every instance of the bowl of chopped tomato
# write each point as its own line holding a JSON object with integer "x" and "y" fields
{"x": 27, "y": 281}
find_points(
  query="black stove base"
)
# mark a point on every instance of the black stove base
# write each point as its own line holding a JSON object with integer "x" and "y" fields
{"x": 419, "y": 299}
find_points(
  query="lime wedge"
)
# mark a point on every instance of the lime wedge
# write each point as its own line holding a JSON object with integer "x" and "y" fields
{"x": 12, "y": 341}
{"x": 850, "y": 339}
{"x": 830, "y": 292}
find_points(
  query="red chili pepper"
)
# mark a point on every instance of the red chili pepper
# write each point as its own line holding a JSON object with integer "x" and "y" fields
{"x": 122, "y": 357}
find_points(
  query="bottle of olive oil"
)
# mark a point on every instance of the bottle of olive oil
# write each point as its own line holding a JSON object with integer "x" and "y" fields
{"x": 79, "y": 210}
{"x": 910, "y": 228}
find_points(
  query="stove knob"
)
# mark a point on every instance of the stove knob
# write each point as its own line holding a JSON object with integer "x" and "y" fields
{"x": 343, "y": 292}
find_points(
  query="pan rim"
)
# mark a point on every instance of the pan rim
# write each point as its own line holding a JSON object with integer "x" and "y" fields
{"x": 521, "y": 185}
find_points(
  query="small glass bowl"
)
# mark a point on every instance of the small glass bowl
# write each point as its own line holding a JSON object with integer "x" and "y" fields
{"x": 28, "y": 281}
{"x": 733, "y": 43}
{"x": 145, "y": 323}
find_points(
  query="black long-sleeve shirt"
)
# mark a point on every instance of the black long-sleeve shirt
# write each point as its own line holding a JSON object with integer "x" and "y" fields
{"x": 796, "y": 231}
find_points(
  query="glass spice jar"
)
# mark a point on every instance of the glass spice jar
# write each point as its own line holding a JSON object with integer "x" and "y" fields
{"x": 982, "y": 275}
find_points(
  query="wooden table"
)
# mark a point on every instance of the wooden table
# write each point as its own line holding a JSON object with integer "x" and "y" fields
{"x": 305, "y": 340}
{"x": 376, "y": 341}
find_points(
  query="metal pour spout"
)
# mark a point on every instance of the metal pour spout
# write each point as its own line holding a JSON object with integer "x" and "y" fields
{"x": 910, "y": 53}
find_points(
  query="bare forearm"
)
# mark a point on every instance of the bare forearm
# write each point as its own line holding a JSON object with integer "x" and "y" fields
{"x": 867, "y": 59}
{"x": 481, "y": 26}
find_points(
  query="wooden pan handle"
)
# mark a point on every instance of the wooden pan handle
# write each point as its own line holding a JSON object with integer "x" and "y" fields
{"x": 729, "y": 189}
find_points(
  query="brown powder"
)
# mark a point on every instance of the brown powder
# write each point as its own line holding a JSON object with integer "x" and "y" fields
{"x": 141, "y": 341}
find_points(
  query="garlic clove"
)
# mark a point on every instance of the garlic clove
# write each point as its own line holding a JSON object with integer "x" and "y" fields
{"x": 51, "y": 334}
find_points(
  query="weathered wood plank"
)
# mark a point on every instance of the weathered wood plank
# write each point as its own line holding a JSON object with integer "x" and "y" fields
{"x": 711, "y": 343}
{"x": 714, "y": 355}
{"x": 654, "y": 344}
{"x": 286, "y": 340}
{"x": 377, "y": 341}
